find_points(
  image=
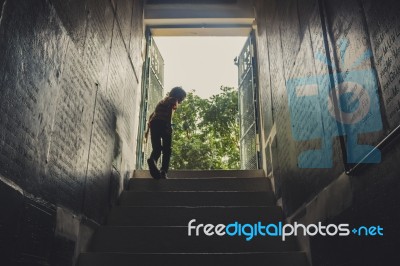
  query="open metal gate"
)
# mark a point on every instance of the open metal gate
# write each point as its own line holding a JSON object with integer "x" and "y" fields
{"x": 247, "y": 65}
{"x": 152, "y": 93}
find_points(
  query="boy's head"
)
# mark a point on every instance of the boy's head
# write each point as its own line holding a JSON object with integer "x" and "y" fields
{"x": 178, "y": 93}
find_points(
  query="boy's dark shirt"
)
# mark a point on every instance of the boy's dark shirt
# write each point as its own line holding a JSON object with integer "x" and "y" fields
{"x": 164, "y": 110}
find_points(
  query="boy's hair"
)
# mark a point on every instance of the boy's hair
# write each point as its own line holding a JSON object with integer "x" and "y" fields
{"x": 178, "y": 93}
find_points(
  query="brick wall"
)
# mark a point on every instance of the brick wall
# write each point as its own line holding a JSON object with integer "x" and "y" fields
{"x": 305, "y": 46}
{"x": 69, "y": 82}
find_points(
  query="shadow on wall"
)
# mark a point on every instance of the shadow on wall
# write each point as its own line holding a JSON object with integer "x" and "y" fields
{"x": 37, "y": 232}
{"x": 68, "y": 96}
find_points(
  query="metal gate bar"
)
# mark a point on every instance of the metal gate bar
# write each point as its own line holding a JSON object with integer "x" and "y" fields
{"x": 247, "y": 109}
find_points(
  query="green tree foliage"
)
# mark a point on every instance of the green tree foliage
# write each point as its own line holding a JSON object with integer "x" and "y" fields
{"x": 206, "y": 132}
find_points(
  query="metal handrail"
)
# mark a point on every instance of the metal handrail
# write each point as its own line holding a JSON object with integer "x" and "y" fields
{"x": 389, "y": 139}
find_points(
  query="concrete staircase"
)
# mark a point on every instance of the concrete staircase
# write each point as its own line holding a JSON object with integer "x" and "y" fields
{"x": 150, "y": 224}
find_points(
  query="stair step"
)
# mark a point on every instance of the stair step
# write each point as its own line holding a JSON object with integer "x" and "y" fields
{"x": 139, "y": 239}
{"x": 180, "y": 216}
{"x": 150, "y": 225}
{"x": 204, "y": 173}
{"x": 236, "y": 259}
{"x": 131, "y": 198}
{"x": 203, "y": 184}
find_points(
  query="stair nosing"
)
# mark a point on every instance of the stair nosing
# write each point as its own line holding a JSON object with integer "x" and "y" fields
{"x": 197, "y": 253}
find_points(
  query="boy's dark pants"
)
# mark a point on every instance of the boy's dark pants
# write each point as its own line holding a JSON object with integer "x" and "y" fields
{"x": 161, "y": 130}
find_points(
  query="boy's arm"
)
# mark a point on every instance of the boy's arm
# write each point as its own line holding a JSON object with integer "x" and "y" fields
{"x": 151, "y": 116}
{"x": 146, "y": 133}
{"x": 174, "y": 103}
{"x": 175, "y": 106}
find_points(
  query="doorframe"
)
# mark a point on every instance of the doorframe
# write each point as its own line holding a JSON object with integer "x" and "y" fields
{"x": 140, "y": 160}
{"x": 143, "y": 103}
{"x": 255, "y": 84}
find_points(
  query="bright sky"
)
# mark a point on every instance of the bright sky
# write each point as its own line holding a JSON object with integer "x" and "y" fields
{"x": 203, "y": 64}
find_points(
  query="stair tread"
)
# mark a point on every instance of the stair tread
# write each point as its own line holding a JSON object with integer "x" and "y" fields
{"x": 210, "y": 184}
{"x": 175, "y": 239}
{"x": 187, "y": 174}
{"x": 178, "y": 215}
{"x": 220, "y": 259}
{"x": 195, "y": 198}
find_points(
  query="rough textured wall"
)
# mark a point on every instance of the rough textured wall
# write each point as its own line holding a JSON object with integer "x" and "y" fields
{"x": 69, "y": 83}
{"x": 306, "y": 47}
{"x": 285, "y": 50}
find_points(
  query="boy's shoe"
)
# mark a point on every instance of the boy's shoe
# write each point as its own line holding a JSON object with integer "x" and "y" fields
{"x": 154, "y": 172}
{"x": 163, "y": 174}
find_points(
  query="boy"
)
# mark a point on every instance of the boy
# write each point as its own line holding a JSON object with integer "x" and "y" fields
{"x": 160, "y": 129}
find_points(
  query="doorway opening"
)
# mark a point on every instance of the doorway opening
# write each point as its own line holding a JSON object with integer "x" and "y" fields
{"x": 216, "y": 126}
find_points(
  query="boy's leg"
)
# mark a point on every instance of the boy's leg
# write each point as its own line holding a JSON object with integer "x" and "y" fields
{"x": 166, "y": 150}
{"x": 155, "y": 132}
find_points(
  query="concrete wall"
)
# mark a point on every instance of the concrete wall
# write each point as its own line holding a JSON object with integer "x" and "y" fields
{"x": 305, "y": 46}
{"x": 70, "y": 93}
